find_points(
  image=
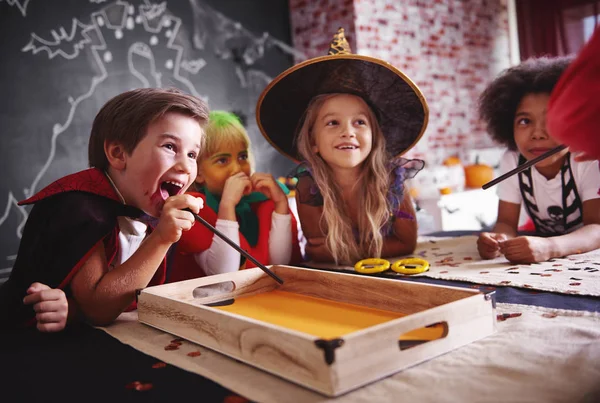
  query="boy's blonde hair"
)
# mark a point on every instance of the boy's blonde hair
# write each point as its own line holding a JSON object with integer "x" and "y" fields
{"x": 374, "y": 182}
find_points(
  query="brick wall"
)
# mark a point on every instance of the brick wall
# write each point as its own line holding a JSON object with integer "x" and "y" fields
{"x": 315, "y": 21}
{"x": 450, "y": 48}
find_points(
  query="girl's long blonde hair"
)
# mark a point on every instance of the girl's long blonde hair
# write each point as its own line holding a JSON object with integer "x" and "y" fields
{"x": 373, "y": 182}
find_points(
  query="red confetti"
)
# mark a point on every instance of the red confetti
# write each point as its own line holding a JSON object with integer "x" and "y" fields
{"x": 194, "y": 354}
{"x": 171, "y": 347}
{"x": 235, "y": 399}
{"x": 574, "y": 284}
{"x": 503, "y": 316}
{"x": 159, "y": 365}
{"x": 137, "y": 385}
{"x": 177, "y": 340}
{"x": 527, "y": 286}
{"x": 545, "y": 275}
{"x": 144, "y": 386}
{"x": 556, "y": 265}
{"x": 468, "y": 258}
{"x": 444, "y": 272}
{"x": 505, "y": 282}
{"x": 132, "y": 385}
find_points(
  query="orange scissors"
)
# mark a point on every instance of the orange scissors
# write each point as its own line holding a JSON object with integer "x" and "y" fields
{"x": 411, "y": 265}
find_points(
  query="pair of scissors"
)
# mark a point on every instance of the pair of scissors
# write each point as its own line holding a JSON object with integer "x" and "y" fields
{"x": 411, "y": 265}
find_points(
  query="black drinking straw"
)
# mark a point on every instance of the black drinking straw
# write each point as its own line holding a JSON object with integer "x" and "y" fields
{"x": 524, "y": 166}
{"x": 236, "y": 247}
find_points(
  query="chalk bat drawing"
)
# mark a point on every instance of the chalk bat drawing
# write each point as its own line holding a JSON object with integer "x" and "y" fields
{"x": 20, "y": 4}
{"x": 75, "y": 39}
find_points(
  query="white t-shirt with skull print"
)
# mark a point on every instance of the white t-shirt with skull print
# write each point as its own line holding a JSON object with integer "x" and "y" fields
{"x": 548, "y": 193}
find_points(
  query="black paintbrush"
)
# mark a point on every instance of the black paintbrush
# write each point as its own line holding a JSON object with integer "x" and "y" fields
{"x": 524, "y": 166}
{"x": 234, "y": 246}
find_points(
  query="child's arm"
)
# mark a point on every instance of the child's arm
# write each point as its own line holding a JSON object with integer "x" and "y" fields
{"x": 280, "y": 239}
{"x": 310, "y": 217}
{"x": 102, "y": 294}
{"x": 526, "y": 249}
{"x": 220, "y": 257}
{"x": 404, "y": 240}
{"x": 488, "y": 243}
{"x": 280, "y": 236}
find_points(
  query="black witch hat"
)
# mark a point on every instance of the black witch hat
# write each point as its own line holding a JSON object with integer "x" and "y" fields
{"x": 397, "y": 102}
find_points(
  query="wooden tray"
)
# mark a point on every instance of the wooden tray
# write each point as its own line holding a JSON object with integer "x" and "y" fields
{"x": 363, "y": 328}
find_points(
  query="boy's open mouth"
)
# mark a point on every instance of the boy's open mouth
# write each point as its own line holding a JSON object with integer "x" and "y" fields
{"x": 170, "y": 188}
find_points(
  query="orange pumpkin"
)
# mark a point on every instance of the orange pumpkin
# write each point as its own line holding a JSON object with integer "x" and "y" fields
{"x": 477, "y": 175}
{"x": 450, "y": 161}
{"x": 413, "y": 192}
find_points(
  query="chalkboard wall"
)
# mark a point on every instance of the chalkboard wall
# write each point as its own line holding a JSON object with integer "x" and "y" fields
{"x": 60, "y": 61}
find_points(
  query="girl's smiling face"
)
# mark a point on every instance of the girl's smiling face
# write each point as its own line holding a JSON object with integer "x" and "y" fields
{"x": 226, "y": 161}
{"x": 531, "y": 136}
{"x": 342, "y": 132}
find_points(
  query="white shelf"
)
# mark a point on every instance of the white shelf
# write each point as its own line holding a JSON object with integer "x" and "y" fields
{"x": 471, "y": 209}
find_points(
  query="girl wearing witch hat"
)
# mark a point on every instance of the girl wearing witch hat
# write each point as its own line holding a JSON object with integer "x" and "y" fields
{"x": 348, "y": 118}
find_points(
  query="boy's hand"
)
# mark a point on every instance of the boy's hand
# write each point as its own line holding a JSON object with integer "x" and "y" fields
{"x": 266, "y": 184}
{"x": 50, "y": 305}
{"x": 488, "y": 244}
{"x": 236, "y": 186}
{"x": 173, "y": 220}
{"x": 527, "y": 249}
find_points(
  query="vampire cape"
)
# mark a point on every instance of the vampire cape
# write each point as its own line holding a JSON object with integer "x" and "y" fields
{"x": 69, "y": 218}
